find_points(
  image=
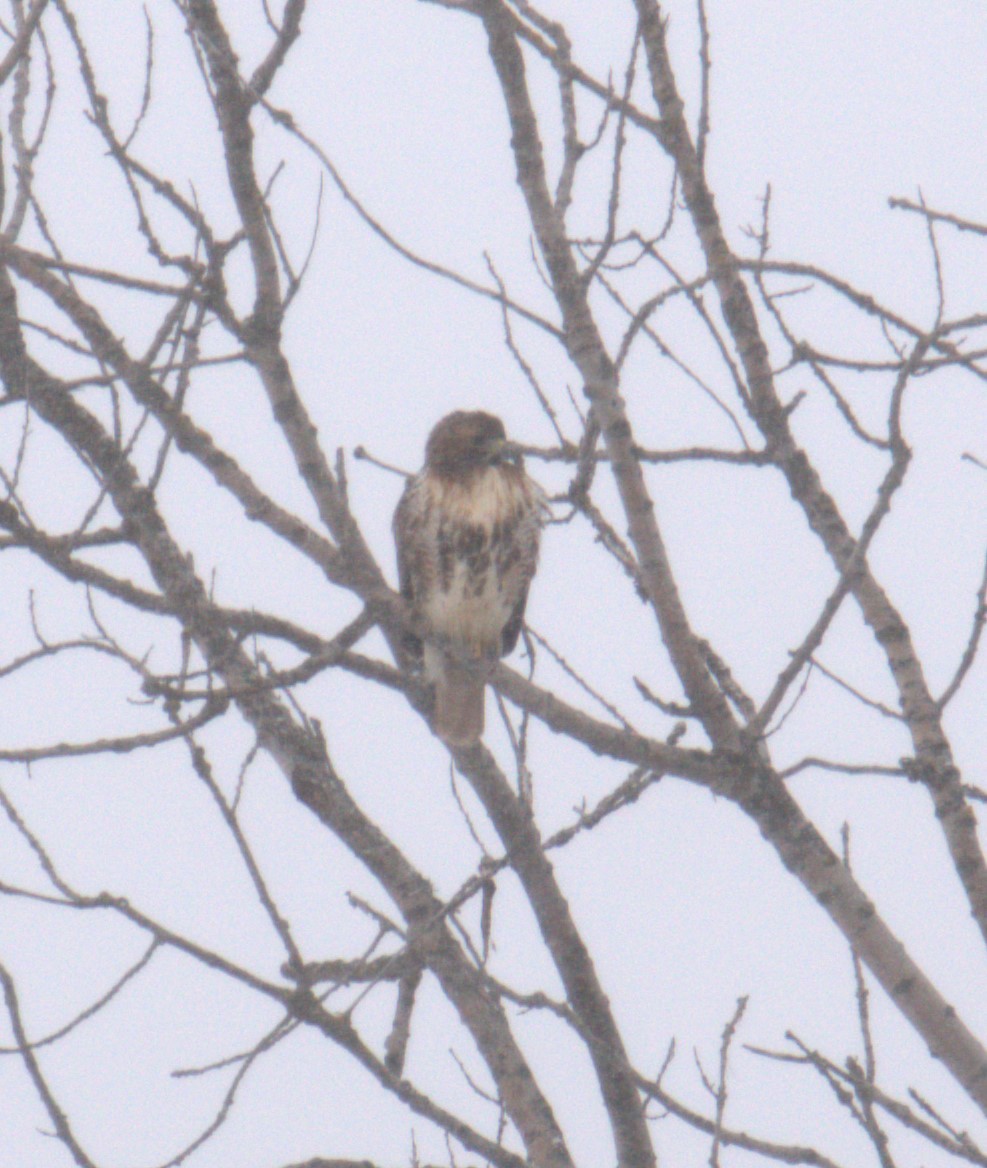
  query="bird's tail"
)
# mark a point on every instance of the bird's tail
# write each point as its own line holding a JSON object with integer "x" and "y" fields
{"x": 459, "y": 695}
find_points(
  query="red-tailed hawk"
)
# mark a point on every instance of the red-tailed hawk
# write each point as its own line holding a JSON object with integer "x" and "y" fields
{"x": 467, "y": 530}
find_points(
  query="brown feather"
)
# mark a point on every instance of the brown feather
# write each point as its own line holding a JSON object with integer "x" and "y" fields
{"x": 459, "y": 696}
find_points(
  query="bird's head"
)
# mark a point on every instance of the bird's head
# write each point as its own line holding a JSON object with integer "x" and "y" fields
{"x": 468, "y": 440}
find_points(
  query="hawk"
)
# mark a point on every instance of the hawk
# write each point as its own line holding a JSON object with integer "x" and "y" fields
{"x": 467, "y": 530}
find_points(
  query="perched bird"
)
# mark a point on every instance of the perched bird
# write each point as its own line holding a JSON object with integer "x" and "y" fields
{"x": 467, "y": 530}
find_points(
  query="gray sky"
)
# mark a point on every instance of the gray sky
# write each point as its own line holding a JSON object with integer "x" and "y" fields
{"x": 837, "y": 106}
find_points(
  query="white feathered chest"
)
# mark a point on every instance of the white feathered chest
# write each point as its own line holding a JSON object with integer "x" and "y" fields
{"x": 468, "y": 550}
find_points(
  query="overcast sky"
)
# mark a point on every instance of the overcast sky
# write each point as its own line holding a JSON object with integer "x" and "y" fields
{"x": 837, "y": 106}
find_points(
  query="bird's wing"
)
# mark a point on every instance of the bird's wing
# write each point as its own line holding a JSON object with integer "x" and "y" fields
{"x": 408, "y": 541}
{"x": 526, "y": 537}
{"x": 512, "y": 630}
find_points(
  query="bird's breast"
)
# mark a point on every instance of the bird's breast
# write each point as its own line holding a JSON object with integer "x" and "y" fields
{"x": 476, "y": 528}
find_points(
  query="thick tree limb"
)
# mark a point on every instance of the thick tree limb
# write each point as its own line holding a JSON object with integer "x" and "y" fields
{"x": 936, "y": 768}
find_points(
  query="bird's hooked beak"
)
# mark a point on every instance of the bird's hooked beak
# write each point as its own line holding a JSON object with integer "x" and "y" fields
{"x": 503, "y": 450}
